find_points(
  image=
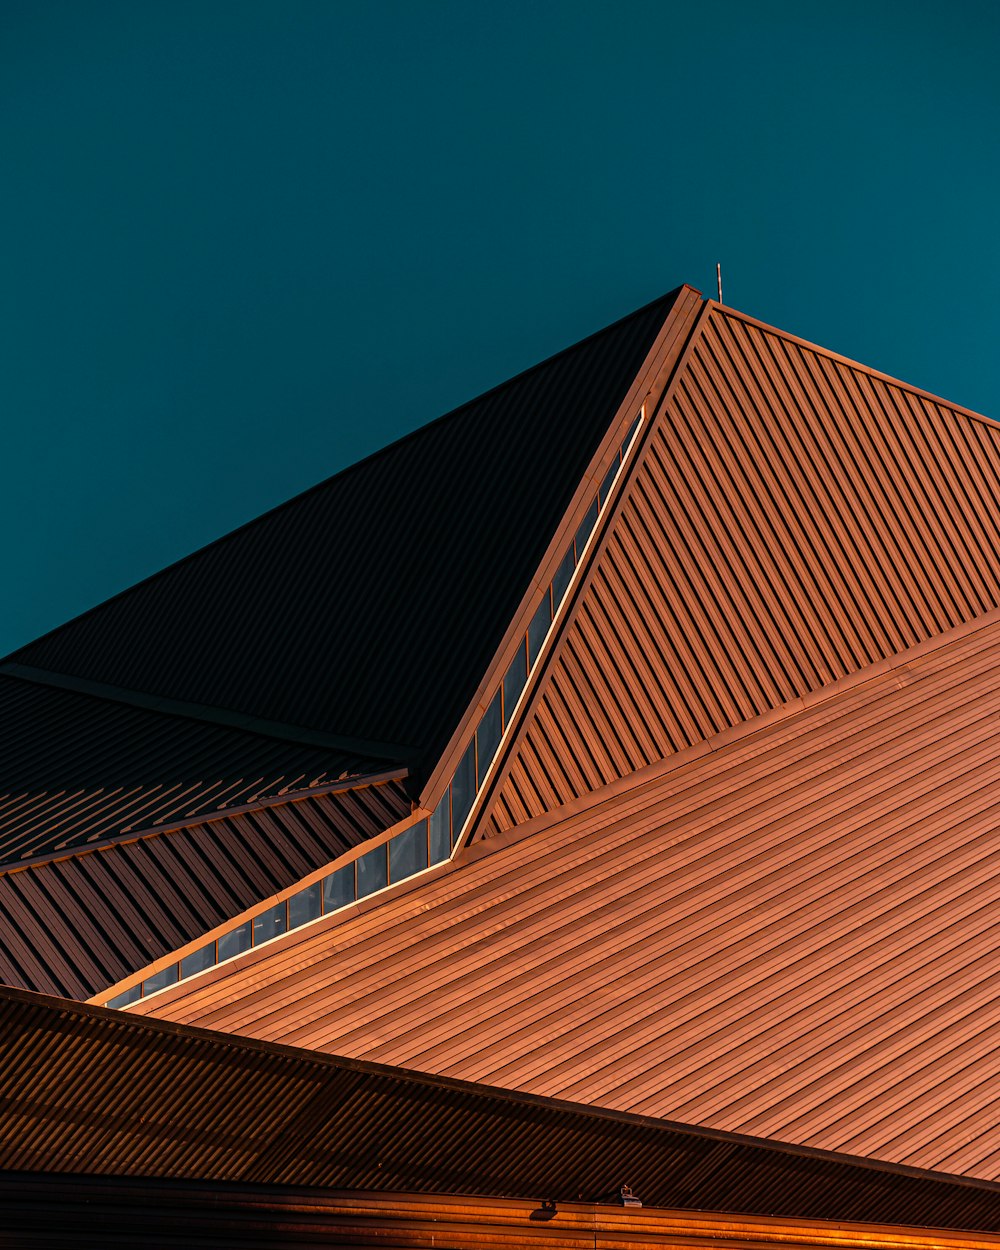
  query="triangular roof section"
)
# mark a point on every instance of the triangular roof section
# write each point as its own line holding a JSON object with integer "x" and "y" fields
{"x": 84, "y": 1090}
{"x": 792, "y": 934}
{"x": 370, "y": 606}
{"x": 77, "y": 922}
{"x": 790, "y": 518}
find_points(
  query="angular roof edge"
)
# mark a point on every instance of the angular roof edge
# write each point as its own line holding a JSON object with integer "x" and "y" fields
{"x": 192, "y": 823}
{"x": 666, "y": 300}
{"x": 650, "y": 383}
{"x": 889, "y": 378}
{"x": 285, "y": 1113}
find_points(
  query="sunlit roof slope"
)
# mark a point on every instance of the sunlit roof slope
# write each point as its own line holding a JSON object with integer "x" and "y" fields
{"x": 792, "y": 935}
{"x": 793, "y": 517}
{"x": 370, "y": 605}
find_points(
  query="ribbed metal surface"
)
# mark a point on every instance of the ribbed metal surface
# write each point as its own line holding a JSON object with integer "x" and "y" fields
{"x": 795, "y": 519}
{"x": 76, "y": 769}
{"x": 793, "y": 935}
{"x": 86, "y": 1090}
{"x": 96, "y": 1211}
{"x": 364, "y": 588}
{"x": 75, "y": 925}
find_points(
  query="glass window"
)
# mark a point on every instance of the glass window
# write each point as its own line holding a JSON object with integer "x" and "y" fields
{"x": 630, "y": 435}
{"x": 609, "y": 479}
{"x": 372, "y": 872}
{"x": 488, "y": 736}
{"x": 234, "y": 942}
{"x": 408, "y": 852}
{"x": 441, "y": 829}
{"x": 270, "y": 924}
{"x": 561, "y": 580}
{"x": 338, "y": 889}
{"x": 586, "y": 529}
{"x": 198, "y": 961}
{"x": 538, "y": 628}
{"x": 463, "y": 790}
{"x": 131, "y": 995}
{"x": 513, "y": 682}
{"x": 305, "y": 906}
{"x": 160, "y": 980}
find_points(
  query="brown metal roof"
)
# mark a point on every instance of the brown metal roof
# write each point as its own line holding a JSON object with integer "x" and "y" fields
{"x": 347, "y": 609}
{"x": 790, "y": 931}
{"x": 76, "y": 769}
{"x": 795, "y": 518}
{"x": 75, "y": 924}
{"x": 85, "y": 1090}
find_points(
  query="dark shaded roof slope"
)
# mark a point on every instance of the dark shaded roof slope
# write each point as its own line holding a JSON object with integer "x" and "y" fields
{"x": 75, "y": 769}
{"x": 86, "y": 1090}
{"x": 370, "y": 605}
{"x": 75, "y": 925}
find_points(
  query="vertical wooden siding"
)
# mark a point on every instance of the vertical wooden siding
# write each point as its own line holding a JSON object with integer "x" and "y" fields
{"x": 795, "y": 519}
{"x": 792, "y": 935}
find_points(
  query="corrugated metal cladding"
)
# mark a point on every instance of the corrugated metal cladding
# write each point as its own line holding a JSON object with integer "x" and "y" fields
{"x": 379, "y": 596}
{"x": 795, "y": 519}
{"x": 792, "y": 936}
{"x": 76, "y": 769}
{"x": 76, "y": 925}
{"x": 91, "y": 1211}
{"x": 84, "y": 1090}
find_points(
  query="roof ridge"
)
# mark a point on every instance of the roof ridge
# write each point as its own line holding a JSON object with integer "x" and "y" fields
{"x": 661, "y": 770}
{"x": 358, "y": 782}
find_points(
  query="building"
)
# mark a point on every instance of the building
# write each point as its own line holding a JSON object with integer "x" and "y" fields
{"x": 594, "y": 789}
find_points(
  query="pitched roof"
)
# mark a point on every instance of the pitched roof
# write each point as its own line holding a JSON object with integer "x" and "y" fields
{"x": 77, "y": 924}
{"x": 792, "y": 518}
{"x": 797, "y": 585}
{"x": 369, "y": 606}
{"x": 791, "y": 934}
{"x": 85, "y": 1090}
{"x": 77, "y": 769}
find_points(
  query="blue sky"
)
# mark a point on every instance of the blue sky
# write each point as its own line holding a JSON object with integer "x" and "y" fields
{"x": 243, "y": 244}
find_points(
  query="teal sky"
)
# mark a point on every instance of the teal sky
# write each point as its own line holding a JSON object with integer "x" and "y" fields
{"x": 243, "y": 244}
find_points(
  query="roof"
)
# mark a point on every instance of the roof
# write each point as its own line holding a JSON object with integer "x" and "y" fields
{"x": 792, "y": 518}
{"x": 75, "y": 924}
{"x": 86, "y": 1090}
{"x": 76, "y": 769}
{"x": 792, "y": 934}
{"x": 736, "y": 807}
{"x": 347, "y": 609}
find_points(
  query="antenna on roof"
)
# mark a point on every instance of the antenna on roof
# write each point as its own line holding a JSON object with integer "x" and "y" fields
{"x": 718, "y": 278}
